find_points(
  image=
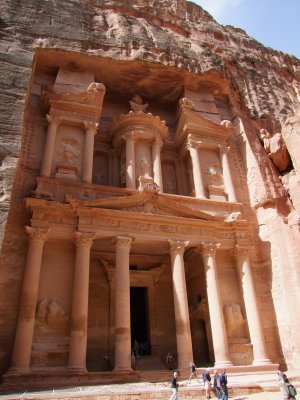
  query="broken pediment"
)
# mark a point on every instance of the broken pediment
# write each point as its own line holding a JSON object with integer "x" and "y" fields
{"x": 191, "y": 122}
{"x": 147, "y": 203}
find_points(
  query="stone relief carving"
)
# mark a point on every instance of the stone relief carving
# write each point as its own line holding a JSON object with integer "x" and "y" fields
{"x": 50, "y": 315}
{"x": 68, "y": 152}
{"x": 147, "y": 184}
{"x": 144, "y": 167}
{"x": 275, "y": 148}
{"x": 234, "y": 216}
{"x": 136, "y": 104}
{"x": 235, "y": 322}
{"x": 214, "y": 174}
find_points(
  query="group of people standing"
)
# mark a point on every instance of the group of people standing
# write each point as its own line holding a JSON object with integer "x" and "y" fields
{"x": 219, "y": 383}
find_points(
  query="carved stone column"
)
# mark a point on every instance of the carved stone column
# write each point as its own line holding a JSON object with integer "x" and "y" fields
{"x": 53, "y": 122}
{"x": 157, "y": 174}
{"x": 226, "y": 173}
{"x": 251, "y": 307}
{"x": 88, "y": 155}
{"x": 182, "y": 318}
{"x": 122, "y": 304}
{"x": 21, "y": 355}
{"x": 116, "y": 169}
{"x": 197, "y": 173}
{"x": 222, "y": 358}
{"x": 79, "y": 314}
{"x": 130, "y": 163}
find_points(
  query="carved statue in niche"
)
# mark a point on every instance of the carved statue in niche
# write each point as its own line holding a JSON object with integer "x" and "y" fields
{"x": 68, "y": 152}
{"x": 276, "y": 149}
{"x": 144, "y": 167}
{"x": 136, "y": 104}
{"x": 235, "y": 322}
{"x": 51, "y": 316}
{"x": 214, "y": 175}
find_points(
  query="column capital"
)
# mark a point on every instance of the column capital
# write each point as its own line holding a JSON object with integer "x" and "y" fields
{"x": 123, "y": 242}
{"x": 157, "y": 141}
{"x": 209, "y": 248}
{"x": 177, "y": 246}
{"x": 84, "y": 239}
{"x": 223, "y": 149}
{"x": 91, "y": 126}
{"x": 241, "y": 251}
{"x": 129, "y": 136}
{"x": 192, "y": 144}
{"x": 54, "y": 119}
{"x": 38, "y": 234}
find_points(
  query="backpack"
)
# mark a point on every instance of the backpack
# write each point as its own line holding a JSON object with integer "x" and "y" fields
{"x": 223, "y": 380}
{"x": 292, "y": 391}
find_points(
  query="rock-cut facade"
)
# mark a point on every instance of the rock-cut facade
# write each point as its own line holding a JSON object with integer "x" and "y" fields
{"x": 149, "y": 193}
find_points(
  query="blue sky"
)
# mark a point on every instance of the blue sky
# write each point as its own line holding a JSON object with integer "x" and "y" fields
{"x": 274, "y": 23}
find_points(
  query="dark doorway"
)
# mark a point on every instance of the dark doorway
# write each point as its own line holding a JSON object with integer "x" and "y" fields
{"x": 139, "y": 317}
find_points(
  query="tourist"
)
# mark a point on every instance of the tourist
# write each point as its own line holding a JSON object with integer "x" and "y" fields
{"x": 170, "y": 360}
{"x": 223, "y": 384}
{"x": 286, "y": 388}
{"x": 133, "y": 360}
{"x": 193, "y": 372}
{"x": 206, "y": 380}
{"x": 174, "y": 387}
{"x": 217, "y": 384}
{"x": 136, "y": 348}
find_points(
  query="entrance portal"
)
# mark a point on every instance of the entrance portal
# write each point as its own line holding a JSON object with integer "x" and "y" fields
{"x": 139, "y": 317}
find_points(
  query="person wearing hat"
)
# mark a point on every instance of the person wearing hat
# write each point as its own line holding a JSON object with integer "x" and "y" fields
{"x": 207, "y": 382}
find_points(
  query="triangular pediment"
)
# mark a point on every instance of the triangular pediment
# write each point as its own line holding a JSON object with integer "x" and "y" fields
{"x": 191, "y": 122}
{"x": 147, "y": 203}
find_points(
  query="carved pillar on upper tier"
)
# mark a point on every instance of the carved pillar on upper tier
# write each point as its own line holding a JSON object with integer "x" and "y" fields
{"x": 130, "y": 163}
{"x": 157, "y": 174}
{"x": 53, "y": 122}
{"x": 182, "y": 319}
{"x": 197, "y": 173}
{"x": 88, "y": 155}
{"x": 251, "y": 306}
{"x": 227, "y": 173}
{"x": 20, "y": 361}
{"x": 122, "y": 304}
{"x": 222, "y": 358}
{"x": 79, "y": 315}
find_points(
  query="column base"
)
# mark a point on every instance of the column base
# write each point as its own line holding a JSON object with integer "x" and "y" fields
{"x": 262, "y": 361}
{"x": 18, "y": 371}
{"x": 78, "y": 370}
{"x": 123, "y": 368}
{"x": 223, "y": 364}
